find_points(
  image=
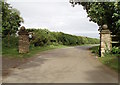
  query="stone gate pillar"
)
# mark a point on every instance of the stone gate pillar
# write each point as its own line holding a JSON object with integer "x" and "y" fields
{"x": 23, "y": 40}
{"x": 105, "y": 40}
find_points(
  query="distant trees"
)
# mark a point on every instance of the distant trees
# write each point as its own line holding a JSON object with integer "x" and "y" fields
{"x": 43, "y": 37}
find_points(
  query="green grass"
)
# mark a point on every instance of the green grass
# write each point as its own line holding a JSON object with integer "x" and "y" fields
{"x": 95, "y": 50}
{"x": 13, "y": 52}
{"x": 110, "y": 60}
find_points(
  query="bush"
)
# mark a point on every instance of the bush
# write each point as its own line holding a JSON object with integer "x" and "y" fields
{"x": 45, "y": 37}
{"x": 41, "y": 37}
{"x": 96, "y": 50}
{"x": 11, "y": 42}
{"x": 55, "y": 44}
{"x": 115, "y": 50}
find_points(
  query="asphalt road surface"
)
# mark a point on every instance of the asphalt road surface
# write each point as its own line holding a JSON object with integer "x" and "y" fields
{"x": 66, "y": 65}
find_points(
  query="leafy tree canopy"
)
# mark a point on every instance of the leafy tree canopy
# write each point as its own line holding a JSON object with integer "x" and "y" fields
{"x": 104, "y": 13}
{"x": 11, "y": 19}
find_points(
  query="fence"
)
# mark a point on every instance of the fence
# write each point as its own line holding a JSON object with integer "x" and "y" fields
{"x": 116, "y": 40}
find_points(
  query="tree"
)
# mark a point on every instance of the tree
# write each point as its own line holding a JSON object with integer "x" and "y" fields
{"x": 42, "y": 37}
{"x": 104, "y": 13}
{"x": 11, "y": 19}
{"x": 0, "y": 17}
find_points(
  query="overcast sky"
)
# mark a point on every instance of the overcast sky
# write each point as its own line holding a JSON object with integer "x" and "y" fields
{"x": 55, "y": 15}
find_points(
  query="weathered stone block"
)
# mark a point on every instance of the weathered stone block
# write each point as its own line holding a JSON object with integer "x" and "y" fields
{"x": 105, "y": 38}
{"x": 23, "y": 40}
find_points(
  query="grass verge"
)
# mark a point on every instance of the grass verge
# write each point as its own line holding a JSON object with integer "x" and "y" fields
{"x": 110, "y": 60}
{"x": 13, "y": 52}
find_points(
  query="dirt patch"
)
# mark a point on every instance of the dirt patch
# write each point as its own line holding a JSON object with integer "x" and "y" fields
{"x": 10, "y": 63}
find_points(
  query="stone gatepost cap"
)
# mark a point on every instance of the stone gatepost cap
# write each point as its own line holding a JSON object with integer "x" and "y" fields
{"x": 105, "y": 27}
{"x": 22, "y": 28}
{"x": 23, "y": 31}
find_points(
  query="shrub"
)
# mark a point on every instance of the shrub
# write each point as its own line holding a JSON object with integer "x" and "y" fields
{"x": 115, "y": 50}
{"x": 95, "y": 50}
{"x": 45, "y": 37}
{"x": 11, "y": 42}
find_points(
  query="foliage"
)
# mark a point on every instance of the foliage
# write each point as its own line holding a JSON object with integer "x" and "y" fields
{"x": 11, "y": 19}
{"x": 13, "y": 42}
{"x": 43, "y": 37}
{"x": 104, "y": 13}
{"x": 109, "y": 59}
{"x": 0, "y": 16}
{"x": 95, "y": 50}
{"x": 115, "y": 50}
{"x": 13, "y": 52}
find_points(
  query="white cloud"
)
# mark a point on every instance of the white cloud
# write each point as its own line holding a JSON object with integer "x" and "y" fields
{"x": 38, "y": 0}
{"x": 56, "y": 15}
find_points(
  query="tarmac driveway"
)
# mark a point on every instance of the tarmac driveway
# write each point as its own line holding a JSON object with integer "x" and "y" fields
{"x": 66, "y": 65}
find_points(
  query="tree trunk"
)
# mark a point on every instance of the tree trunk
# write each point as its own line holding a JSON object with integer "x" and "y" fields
{"x": 8, "y": 39}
